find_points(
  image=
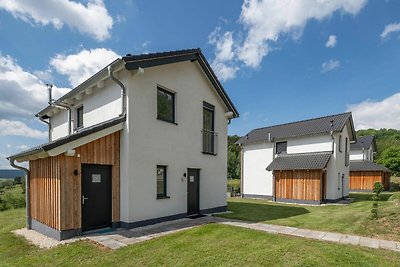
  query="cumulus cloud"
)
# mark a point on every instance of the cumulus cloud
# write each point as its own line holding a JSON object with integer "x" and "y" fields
{"x": 331, "y": 42}
{"x": 265, "y": 21}
{"x": 18, "y": 128}
{"x": 330, "y": 65}
{"x": 92, "y": 19}
{"x": 223, "y": 54}
{"x": 390, "y": 28}
{"x": 377, "y": 114}
{"x": 22, "y": 94}
{"x": 79, "y": 67}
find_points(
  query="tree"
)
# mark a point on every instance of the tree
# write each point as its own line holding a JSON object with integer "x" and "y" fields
{"x": 233, "y": 157}
{"x": 390, "y": 158}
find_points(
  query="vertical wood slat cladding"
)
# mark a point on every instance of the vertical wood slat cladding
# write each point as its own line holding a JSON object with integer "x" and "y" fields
{"x": 55, "y": 192}
{"x": 364, "y": 180}
{"x": 301, "y": 185}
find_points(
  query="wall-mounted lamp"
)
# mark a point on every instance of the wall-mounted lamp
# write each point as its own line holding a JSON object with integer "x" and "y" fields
{"x": 70, "y": 152}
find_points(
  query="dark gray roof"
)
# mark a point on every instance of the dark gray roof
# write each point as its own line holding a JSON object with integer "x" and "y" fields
{"x": 300, "y": 128}
{"x": 366, "y": 165}
{"x": 364, "y": 142}
{"x": 61, "y": 141}
{"x": 133, "y": 62}
{"x": 306, "y": 161}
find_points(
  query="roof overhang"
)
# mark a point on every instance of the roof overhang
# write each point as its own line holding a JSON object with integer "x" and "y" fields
{"x": 72, "y": 141}
{"x": 303, "y": 161}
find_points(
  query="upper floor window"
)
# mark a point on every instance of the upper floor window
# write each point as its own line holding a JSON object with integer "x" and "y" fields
{"x": 281, "y": 147}
{"x": 340, "y": 143}
{"x": 79, "y": 117}
{"x": 209, "y": 136}
{"x": 165, "y": 105}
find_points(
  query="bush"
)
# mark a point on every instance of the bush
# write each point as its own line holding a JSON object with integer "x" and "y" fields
{"x": 10, "y": 199}
{"x": 378, "y": 189}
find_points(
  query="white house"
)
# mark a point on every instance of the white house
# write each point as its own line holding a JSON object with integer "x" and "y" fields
{"x": 142, "y": 141}
{"x": 303, "y": 162}
{"x": 364, "y": 172}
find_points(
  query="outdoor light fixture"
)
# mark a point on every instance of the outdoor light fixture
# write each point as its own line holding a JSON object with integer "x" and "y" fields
{"x": 70, "y": 152}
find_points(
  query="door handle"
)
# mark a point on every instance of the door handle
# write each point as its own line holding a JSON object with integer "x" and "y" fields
{"x": 83, "y": 199}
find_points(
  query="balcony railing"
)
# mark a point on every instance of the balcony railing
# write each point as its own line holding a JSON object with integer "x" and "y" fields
{"x": 210, "y": 142}
{"x": 347, "y": 159}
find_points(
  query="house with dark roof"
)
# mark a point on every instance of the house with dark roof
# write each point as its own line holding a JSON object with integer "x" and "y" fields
{"x": 303, "y": 162}
{"x": 364, "y": 172}
{"x": 144, "y": 140}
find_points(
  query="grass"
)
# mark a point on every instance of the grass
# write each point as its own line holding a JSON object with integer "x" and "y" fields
{"x": 207, "y": 245}
{"x": 349, "y": 219}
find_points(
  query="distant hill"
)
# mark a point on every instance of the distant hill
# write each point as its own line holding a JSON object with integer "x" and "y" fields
{"x": 385, "y": 138}
{"x": 11, "y": 174}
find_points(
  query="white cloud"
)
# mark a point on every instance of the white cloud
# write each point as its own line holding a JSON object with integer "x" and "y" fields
{"x": 18, "y": 128}
{"x": 79, "y": 67}
{"x": 92, "y": 19}
{"x": 265, "y": 21}
{"x": 390, "y": 28}
{"x": 331, "y": 42}
{"x": 377, "y": 114}
{"x": 22, "y": 94}
{"x": 223, "y": 54}
{"x": 330, "y": 65}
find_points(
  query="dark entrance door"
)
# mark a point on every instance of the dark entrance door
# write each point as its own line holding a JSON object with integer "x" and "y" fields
{"x": 96, "y": 196}
{"x": 193, "y": 192}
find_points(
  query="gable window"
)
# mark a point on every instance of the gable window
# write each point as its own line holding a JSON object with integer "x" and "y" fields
{"x": 161, "y": 181}
{"x": 281, "y": 147}
{"x": 209, "y": 136}
{"x": 79, "y": 117}
{"x": 340, "y": 143}
{"x": 165, "y": 105}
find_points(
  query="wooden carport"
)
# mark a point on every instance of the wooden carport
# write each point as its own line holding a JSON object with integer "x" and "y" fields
{"x": 364, "y": 174}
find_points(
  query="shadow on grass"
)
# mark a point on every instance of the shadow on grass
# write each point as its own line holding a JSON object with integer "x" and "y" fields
{"x": 262, "y": 212}
{"x": 368, "y": 196}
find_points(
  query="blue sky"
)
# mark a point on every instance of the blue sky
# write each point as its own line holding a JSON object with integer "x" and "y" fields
{"x": 279, "y": 61}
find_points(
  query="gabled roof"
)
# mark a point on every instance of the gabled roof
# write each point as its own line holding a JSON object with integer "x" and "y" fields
{"x": 304, "y": 161}
{"x": 366, "y": 165}
{"x": 68, "y": 139}
{"x": 133, "y": 62}
{"x": 301, "y": 128}
{"x": 364, "y": 142}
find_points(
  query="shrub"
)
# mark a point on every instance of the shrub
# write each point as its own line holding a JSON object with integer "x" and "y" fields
{"x": 378, "y": 189}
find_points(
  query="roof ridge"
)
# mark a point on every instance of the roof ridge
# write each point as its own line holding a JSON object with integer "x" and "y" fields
{"x": 305, "y": 153}
{"x": 288, "y": 123}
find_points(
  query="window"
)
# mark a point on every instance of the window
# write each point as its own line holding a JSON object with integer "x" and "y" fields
{"x": 340, "y": 143}
{"x": 209, "y": 136}
{"x": 79, "y": 117}
{"x": 165, "y": 105}
{"x": 281, "y": 147}
{"x": 346, "y": 145}
{"x": 161, "y": 181}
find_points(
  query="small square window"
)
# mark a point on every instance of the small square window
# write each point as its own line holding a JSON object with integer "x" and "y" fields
{"x": 281, "y": 147}
{"x": 165, "y": 105}
{"x": 161, "y": 181}
{"x": 79, "y": 117}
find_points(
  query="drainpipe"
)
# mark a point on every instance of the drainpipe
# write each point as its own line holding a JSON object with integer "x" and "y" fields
{"x": 333, "y": 138}
{"x": 123, "y": 89}
{"x": 48, "y": 126}
{"x": 58, "y": 104}
{"x": 28, "y": 211}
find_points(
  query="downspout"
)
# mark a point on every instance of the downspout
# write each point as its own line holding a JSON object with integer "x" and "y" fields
{"x": 123, "y": 89}
{"x": 333, "y": 138}
{"x": 27, "y": 197}
{"x": 48, "y": 126}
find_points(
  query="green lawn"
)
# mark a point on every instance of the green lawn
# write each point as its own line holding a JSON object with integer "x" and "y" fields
{"x": 207, "y": 245}
{"x": 351, "y": 219}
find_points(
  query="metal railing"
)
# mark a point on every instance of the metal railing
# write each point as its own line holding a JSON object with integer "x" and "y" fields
{"x": 210, "y": 142}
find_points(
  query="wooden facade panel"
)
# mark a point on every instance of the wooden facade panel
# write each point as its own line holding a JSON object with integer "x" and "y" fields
{"x": 55, "y": 183}
{"x": 300, "y": 185}
{"x": 365, "y": 180}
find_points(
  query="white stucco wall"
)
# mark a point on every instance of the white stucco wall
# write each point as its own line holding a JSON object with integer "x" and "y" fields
{"x": 149, "y": 142}
{"x": 103, "y": 104}
{"x": 308, "y": 144}
{"x": 358, "y": 154}
{"x": 257, "y": 180}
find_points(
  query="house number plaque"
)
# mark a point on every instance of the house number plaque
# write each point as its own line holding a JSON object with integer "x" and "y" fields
{"x": 96, "y": 178}
{"x": 191, "y": 179}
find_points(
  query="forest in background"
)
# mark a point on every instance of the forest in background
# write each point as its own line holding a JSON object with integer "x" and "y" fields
{"x": 387, "y": 141}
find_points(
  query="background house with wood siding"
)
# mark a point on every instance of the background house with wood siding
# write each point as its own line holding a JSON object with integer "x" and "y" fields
{"x": 302, "y": 162}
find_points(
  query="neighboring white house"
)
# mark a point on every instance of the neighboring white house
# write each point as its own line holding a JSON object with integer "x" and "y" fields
{"x": 168, "y": 159}
{"x": 305, "y": 161}
{"x": 364, "y": 172}
{"x": 364, "y": 148}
